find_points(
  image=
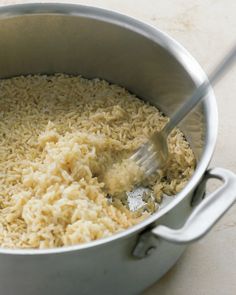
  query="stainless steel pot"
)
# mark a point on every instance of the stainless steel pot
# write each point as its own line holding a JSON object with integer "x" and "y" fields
{"x": 74, "y": 39}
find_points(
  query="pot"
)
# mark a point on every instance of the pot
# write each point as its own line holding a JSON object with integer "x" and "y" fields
{"x": 75, "y": 39}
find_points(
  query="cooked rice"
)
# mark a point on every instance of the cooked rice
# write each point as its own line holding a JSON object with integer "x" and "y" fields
{"x": 60, "y": 135}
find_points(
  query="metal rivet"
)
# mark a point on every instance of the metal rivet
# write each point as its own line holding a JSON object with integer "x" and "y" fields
{"x": 150, "y": 250}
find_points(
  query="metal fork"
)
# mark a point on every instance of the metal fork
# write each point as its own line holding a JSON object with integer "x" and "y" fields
{"x": 153, "y": 155}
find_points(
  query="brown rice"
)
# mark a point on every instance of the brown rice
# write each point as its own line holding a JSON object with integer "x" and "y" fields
{"x": 59, "y": 137}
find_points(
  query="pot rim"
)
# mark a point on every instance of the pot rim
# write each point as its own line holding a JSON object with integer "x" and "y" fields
{"x": 178, "y": 51}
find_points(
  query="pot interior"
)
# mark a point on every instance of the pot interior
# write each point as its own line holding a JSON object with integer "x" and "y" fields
{"x": 128, "y": 54}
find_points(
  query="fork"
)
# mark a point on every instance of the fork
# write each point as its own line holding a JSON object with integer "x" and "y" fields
{"x": 153, "y": 155}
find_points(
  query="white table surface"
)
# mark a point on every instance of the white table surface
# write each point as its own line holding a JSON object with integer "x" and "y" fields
{"x": 206, "y": 28}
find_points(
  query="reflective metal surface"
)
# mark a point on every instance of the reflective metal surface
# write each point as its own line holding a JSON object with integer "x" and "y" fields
{"x": 74, "y": 39}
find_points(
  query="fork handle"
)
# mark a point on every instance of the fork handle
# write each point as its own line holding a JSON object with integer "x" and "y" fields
{"x": 200, "y": 91}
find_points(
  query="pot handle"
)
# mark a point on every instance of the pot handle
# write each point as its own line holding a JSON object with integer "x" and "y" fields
{"x": 207, "y": 213}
